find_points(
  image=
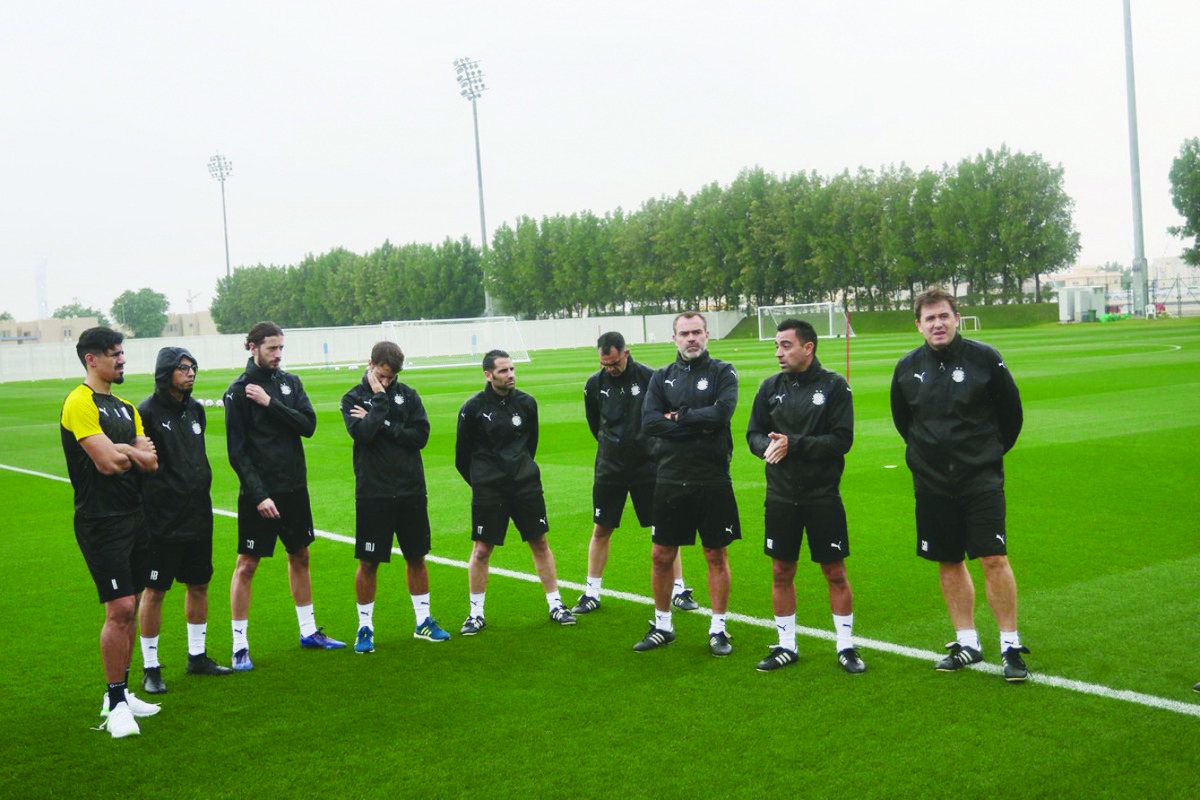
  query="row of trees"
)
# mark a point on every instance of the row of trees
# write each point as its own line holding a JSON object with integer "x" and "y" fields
{"x": 143, "y": 312}
{"x": 1185, "y": 195}
{"x": 414, "y": 281}
{"x": 994, "y": 221}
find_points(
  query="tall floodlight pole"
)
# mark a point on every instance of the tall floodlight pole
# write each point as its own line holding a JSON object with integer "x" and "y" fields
{"x": 471, "y": 86}
{"x": 1137, "y": 283}
{"x": 221, "y": 168}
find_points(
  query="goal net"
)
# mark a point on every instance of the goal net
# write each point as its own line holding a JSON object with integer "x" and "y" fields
{"x": 827, "y": 319}
{"x": 970, "y": 323}
{"x": 455, "y": 342}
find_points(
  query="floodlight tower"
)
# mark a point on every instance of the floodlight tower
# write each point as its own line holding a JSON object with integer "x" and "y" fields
{"x": 471, "y": 86}
{"x": 221, "y": 168}
{"x": 1137, "y": 284}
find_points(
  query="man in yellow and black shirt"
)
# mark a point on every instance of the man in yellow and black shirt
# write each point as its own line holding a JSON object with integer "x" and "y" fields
{"x": 105, "y": 448}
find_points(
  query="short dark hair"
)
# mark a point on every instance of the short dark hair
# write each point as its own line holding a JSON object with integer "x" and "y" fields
{"x": 611, "y": 341}
{"x": 804, "y": 331}
{"x": 688, "y": 315}
{"x": 489, "y": 360}
{"x": 389, "y": 354}
{"x": 260, "y": 332}
{"x": 930, "y": 296}
{"x": 97, "y": 341}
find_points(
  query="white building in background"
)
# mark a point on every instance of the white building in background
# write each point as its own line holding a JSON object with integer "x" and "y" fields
{"x": 198, "y": 323}
{"x": 37, "y": 331}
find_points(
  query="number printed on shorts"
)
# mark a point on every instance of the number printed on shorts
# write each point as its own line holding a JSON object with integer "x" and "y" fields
{"x": 369, "y": 547}
{"x": 153, "y": 574}
{"x": 249, "y": 544}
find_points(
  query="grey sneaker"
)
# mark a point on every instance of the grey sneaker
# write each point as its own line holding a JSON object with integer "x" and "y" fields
{"x": 684, "y": 601}
{"x": 718, "y": 644}
{"x": 778, "y": 659}
{"x": 1015, "y": 670}
{"x": 472, "y": 626}
{"x": 958, "y": 658}
{"x": 586, "y": 605}
{"x": 851, "y": 662}
{"x": 653, "y": 639}
{"x": 562, "y": 616}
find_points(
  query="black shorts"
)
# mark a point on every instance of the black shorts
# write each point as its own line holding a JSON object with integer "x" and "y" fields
{"x": 377, "y": 519}
{"x": 825, "y": 523}
{"x": 608, "y": 503}
{"x": 682, "y": 511}
{"x": 117, "y": 552}
{"x": 948, "y": 526}
{"x": 189, "y": 562}
{"x": 489, "y": 520}
{"x": 294, "y": 527}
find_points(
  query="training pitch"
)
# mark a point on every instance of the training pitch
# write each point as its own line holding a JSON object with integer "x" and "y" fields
{"x": 1103, "y": 537}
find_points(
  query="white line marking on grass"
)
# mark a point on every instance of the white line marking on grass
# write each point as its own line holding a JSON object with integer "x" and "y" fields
{"x": 1082, "y": 687}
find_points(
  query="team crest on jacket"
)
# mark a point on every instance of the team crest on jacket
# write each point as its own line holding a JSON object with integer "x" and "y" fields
{"x": 635, "y": 390}
{"x": 399, "y": 399}
{"x": 285, "y": 389}
{"x": 818, "y": 398}
{"x": 517, "y": 420}
{"x": 702, "y": 384}
{"x": 958, "y": 375}
{"x": 196, "y": 428}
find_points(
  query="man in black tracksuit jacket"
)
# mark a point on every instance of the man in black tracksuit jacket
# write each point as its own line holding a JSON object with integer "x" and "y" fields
{"x": 496, "y": 444}
{"x": 688, "y": 407}
{"x": 957, "y": 407}
{"x": 625, "y": 466}
{"x": 388, "y": 424}
{"x": 179, "y": 516}
{"x": 802, "y": 425}
{"x": 266, "y": 414}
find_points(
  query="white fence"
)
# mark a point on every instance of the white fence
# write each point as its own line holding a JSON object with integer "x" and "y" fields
{"x": 336, "y": 345}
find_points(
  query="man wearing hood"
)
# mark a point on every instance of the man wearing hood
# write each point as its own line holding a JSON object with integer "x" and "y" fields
{"x": 388, "y": 424}
{"x": 178, "y": 507}
{"x": 957, "y": 408}
{"x": 266, "y": 413}
{"x": 688, "y": 407}
{"x": 802, "y": 425}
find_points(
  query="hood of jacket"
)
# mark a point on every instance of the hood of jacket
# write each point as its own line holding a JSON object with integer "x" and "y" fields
{"x": 164, "y": 367}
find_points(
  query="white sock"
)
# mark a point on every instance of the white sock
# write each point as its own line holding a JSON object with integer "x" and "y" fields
{"x": 679, "y": 586}
{"x": 1009, "y": 639}
{"x": 717, "y": 625}
{"x": 196, "y": 636}
{"x": 149, "y": 651}
{"x": 843, "y": 626}
{"x": 969, "y": 637}
{"x": 553, "y": 599}
{"x": 366, "y": 615}
{"x": 307, "y": 620}
{"x": 787, "y": 631}
{"x": 662, "y": 621}
{"x": 477, "y": 604}
{"x": 593, "y": 587}
{"x": 421, "y": 607}
{"x": 240, "y": 639}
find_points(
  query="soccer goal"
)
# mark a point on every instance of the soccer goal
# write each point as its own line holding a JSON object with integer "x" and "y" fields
{"x": 828, "y": 319}
{"x": 455, "y": 342}
{"x": 970, "y": 323}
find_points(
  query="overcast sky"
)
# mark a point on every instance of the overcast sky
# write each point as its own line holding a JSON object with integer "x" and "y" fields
{"x": 345, "y": 127}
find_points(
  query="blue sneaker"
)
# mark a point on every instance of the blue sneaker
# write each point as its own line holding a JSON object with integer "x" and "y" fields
{"x": 241, "y": 660}
{"x": 430, "y": 631}
{"x": 319, "y": 641}
{"x": 365, "y": 643}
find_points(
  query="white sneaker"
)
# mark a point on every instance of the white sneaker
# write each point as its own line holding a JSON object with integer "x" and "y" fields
{"x": 121, "y": 723}
{"x": 138, "y": 706}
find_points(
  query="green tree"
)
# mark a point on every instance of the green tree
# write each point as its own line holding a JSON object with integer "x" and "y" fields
{"x": 77, "y": 310}
{"x": 144, "y": 312}
{"x": 1185, "y": 194}
{"x": 5, "y": 315}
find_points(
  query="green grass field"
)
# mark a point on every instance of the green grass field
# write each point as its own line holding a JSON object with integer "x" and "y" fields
{"x": 1103, "y": 533}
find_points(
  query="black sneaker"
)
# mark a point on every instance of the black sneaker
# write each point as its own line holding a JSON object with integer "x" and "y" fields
{"x": 472, "y": 626}
{"x": 586, "y": 605}
{"x": 718, "y": 644}
{"x": 654, "y": 638}
{"x": 203, "y": 665}
{"x": 1015, "y": 670}
{"x": 778, "y": 659}
{"x": 684, "y": 601}
{"x": 958, "y": 658}
{"x": 1196, "y": 688}
{"x": 562, "y": 616}
{"x": 152, "y": 681}
{"x": 850, "y": 661}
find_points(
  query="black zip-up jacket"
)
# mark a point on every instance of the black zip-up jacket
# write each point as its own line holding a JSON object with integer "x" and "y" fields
{"x": 177, "y": 499}
{"x": 959, "y": 412}
{"x": 614, "y": 413}
{"x": 388, "y": 441}
{"x": 816, "y": 411}
{"x": 695, "y": 449}
{"x": 264, "y": 443}
{"x": 497, "y": 442}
